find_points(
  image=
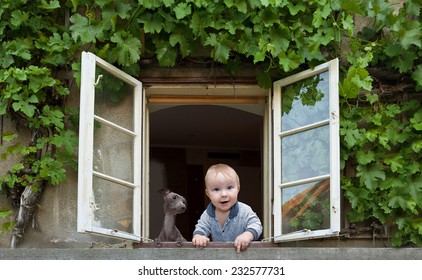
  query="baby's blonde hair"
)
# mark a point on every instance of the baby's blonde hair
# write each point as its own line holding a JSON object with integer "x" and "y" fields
{"x": 223, "y": 168}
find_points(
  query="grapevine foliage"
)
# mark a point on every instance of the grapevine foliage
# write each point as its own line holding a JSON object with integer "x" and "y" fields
{"x": 41, "y": 41}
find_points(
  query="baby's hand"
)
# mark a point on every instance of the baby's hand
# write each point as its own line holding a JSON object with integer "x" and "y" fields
{"x": 200, "y": 241}
{"x": 242, "y": 241}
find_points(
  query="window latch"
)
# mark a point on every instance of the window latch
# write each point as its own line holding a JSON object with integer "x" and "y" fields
{"x": 98, "y": 80}
{"x": 93, "y": 205}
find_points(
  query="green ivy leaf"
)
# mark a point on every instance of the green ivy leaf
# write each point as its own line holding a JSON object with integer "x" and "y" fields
{"x": 182, "y": 10}
{"x": 416, "y": 120}
{"x": 59, "y": 43}
{"x": 38, "y": 82}
{"x": 402, "y": 223}
{"x": 350, "y": 132}
{"x": 128, "y": 48}
{"x": 181, "y": 40}
{"x": 348, "y": 23}
{"x": 51, "y": 170}
{"x": 6, "y": 59}
{"x": 165, "y": 53}
{"x": 52, "y": 116}
{"x": 5, "y": 213}
{"x": 20, "y": 48}
{"x": 393, "y": 49}
{"x": 18, "y": 17}
{"x": 398, "y": 202}
{"x": 153, "y": 23}
{"x": 352, "y": 7}
{"x": 409, "y": 34}
{"x": 8, "y": 136}
{"x": 67, "y": 140}
{"x": 415, "y": 188}
{"x": 365, "y": 157}
{"x": 289, "y": 96}
{"x": 319, "y": 15}
{"x": 278, "y": 39}
{"x": 75, "y": 4}
{"x": 112, "y": 13}
{"x": 417, "y": 75}
{"x": 295, "y": 9}
{"x": 356, "y": 196}
{"x": 151, "y": 4}
{"x": 394, "y": 184}
{"x": 123, "y": 9}
{"x": 369, "y": 175}
{"x": 372, "y": 98}
{"x": 168, "y": 3}
{"x": 24, "y": 105}
{"x": 53, "y": 4}
{"x": 416, "y": 146}
{"x": 264, "y": 80}
{"x": 259, "y": 56}
{"x": 404, "y": 62}
{"x": 85, "y": 29}
{"x": 220, "y": 51}
{"x": 289, "y": 61}
{"x": 417, "y": 224}
{"x": 395, "y": 161}
{"x": 356, "y": 79}
{"x": 20, "y": 74}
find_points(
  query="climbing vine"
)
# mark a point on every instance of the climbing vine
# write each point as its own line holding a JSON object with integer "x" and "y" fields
{"x": 381, "y": 115}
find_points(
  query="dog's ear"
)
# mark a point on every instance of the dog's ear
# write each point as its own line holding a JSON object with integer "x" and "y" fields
{"x": 164, "y": 191}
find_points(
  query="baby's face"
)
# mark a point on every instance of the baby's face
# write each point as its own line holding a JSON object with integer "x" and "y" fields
{"x": 222, "y": 190}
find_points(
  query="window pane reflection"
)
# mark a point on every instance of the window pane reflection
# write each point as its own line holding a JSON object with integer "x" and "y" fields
{"x": 305, "y": 102}
{"x": 306, "y": 154}
{"x": 306, "y": 207}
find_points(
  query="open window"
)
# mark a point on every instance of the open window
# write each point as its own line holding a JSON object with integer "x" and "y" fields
{"x": 110, "y": 151}
{"x": 306, "y": 154}
{"x": 296, "y": 163}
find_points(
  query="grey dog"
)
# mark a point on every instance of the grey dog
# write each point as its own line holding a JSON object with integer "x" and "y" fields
{"x": 173, "y": 204}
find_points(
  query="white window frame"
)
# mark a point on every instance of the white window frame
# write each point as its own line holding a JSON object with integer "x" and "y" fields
{"x": 333, "y": 122}
{"x": 86, "y": 173}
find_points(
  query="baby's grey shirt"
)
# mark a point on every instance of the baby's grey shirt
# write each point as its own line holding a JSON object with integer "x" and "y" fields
{"x": 241, "y": 218}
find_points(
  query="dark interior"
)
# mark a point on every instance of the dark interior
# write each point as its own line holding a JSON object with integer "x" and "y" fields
{"x": 185, "y": 141}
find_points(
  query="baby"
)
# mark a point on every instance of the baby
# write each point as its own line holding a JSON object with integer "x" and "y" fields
{"x": 226, "y": 219}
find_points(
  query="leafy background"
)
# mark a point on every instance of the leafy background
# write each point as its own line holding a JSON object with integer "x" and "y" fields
{"x": 378, "y": 42}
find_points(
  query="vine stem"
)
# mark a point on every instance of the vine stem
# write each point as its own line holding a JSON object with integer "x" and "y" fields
{"x": 29, "y": 199}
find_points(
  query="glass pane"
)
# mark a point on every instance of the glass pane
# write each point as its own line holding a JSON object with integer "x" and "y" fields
{"x": 305, "y": 154}
{"x": 306, "y": 207}
{"x": 113, "y": 152}
{"x": 113, "y": 97}
{"x": 108, "y": 214}
{"x": 305, "y": 102}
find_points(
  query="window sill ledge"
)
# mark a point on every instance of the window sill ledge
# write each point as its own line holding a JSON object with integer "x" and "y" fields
{"x": 188, "y": 244}
{"x": 189, "y": 253}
